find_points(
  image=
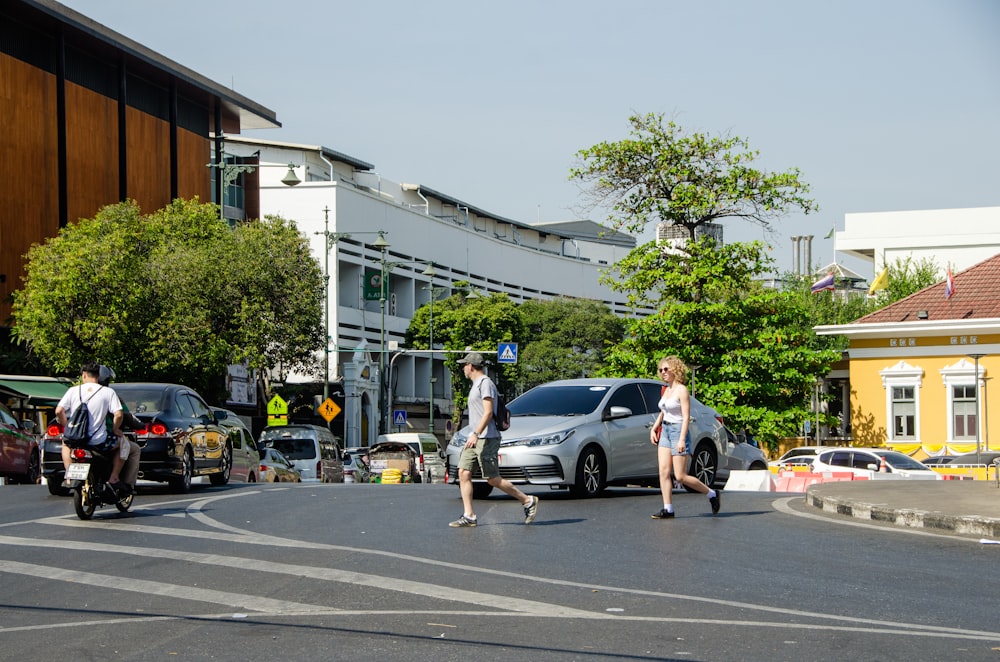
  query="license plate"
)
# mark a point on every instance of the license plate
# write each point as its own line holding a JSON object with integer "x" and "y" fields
{"x": 77, "y": 471}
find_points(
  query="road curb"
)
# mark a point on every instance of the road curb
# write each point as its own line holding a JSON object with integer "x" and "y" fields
{"x": 988, "y": 527}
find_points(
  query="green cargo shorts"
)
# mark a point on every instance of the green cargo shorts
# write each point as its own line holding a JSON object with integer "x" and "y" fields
{"x": 485, "y": 453}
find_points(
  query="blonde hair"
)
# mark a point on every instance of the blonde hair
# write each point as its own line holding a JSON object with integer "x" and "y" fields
{"x": 677, "y": 367}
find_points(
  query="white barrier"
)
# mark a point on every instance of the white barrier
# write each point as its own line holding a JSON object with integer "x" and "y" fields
{"x": 750, "y": 481}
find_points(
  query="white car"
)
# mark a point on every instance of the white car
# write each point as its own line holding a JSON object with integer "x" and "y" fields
{"x": 798, "y": 456}
{"x": 587, "y": 434}
{"x": 866, "y": 461}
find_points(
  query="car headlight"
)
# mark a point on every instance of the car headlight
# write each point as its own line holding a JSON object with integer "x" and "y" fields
{"x": 458, "y": 439}
{"x": 541, "y": 440}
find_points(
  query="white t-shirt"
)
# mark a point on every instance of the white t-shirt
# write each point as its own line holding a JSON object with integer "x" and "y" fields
{"x": 100, "y": 400}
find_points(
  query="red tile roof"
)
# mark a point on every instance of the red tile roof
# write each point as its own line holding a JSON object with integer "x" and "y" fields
{"x": 977, "y": 296}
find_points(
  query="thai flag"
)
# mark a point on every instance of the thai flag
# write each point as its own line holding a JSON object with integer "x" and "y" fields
{"x": 825, "y": 283}
{"x": 949, "y": 284}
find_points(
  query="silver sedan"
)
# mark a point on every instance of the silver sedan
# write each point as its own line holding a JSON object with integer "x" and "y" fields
{"x": 587, "y": 434}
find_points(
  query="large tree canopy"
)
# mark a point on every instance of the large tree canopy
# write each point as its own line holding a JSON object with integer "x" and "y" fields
{"x": 175, "y": 295}
{"x": 757, "y": 357}
{"x": 557, "y": 338}
{"x": 661, "y": 174}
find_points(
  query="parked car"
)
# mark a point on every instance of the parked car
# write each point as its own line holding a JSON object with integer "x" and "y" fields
{"x": 20, "y": 457}
{"x": 938, "y": 461}
{"x": 587, "y": 434}
{"x": 798, "y": 456}
{"x": 744, "y": 456}
{"x": 864, "y": 461}
{"x": 312, "y": 450}
{"x": 181, "y": 438}
{"x": 981, "y": 459}
{"x": 276, "y": 468}
{"x": 356, "y": 466}
{"x": 246, "y": 457}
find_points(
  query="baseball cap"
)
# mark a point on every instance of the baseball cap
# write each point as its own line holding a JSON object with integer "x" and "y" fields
{"x": 472, "y": 358}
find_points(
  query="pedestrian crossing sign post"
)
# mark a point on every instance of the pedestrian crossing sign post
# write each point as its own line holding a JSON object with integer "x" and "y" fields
{"x": 399, "y": 417}
{"x": 507, "y": 352}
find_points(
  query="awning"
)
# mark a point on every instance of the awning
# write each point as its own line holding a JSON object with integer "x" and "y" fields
{"x": 35, "y": 390}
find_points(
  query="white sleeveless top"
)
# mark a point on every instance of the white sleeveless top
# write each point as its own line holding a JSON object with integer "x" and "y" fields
{"x": 671, "y": 408}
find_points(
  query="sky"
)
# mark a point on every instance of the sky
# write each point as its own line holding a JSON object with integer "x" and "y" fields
{"x": 886, "y": 105}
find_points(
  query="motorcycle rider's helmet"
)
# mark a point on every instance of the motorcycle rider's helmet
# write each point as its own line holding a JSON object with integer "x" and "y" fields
{"x": 105, "y": 376}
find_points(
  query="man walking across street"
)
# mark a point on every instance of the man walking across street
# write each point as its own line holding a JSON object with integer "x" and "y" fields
{"x": 483, "y": 445}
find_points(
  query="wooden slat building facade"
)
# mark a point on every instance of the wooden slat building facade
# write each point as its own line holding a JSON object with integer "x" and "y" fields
{"x": 91, "y": 118}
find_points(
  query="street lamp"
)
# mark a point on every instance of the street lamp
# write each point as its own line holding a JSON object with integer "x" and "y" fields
{"x": 976, "y": 358}
{"x": 229, "y": 172}
{"x": 433, "y": 292}
{"x": 382, "y": 245}
{"x": 694, "y": 372}
{"x": 331, "y": 239}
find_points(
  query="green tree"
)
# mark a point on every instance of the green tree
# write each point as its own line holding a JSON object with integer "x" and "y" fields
{"x": 661, "y": 174}
{"x": 462, "y": 322}
{"x": 756, "y": 355}
{"x": 174, "y": 295}
{"x": 564, "y": 339}
{"x": 907, "y": 276}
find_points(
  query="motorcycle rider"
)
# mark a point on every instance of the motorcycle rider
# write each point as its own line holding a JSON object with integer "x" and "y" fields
{"x": 128, "y": 452}
{"x": 100, "y": 402}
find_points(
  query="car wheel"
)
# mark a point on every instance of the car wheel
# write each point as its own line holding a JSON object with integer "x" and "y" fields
{"x": 481, "y": 490}
{"x": 757, "y": 466}
{"x": 182, "y": 484}
{"x": 591, "y": 473}
{"x": 251, "y": 478}
{"x": 227, "y": 467}
{"x": 704, "y": 465}
{"x": 34, "y": 470}
{"x": 54, "y": 483}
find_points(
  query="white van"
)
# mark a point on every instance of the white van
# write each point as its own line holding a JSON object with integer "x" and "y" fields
{"x": 312, "y": 450}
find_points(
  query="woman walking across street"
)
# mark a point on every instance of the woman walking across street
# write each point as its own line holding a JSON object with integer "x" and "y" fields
{"x": 670, "y": 433}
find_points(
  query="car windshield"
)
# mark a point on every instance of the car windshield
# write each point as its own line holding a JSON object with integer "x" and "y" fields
{"x": 570, "y": 400}
{"x": 295, "y": 449}
{"x": 900, "y": 461}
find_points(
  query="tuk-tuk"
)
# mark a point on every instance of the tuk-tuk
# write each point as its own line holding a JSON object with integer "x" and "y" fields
{"x": 397, "y": 461}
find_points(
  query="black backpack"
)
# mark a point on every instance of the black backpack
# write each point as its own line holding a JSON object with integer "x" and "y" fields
{"x": 77, "y": 432}
{"x": 501, "y": 417}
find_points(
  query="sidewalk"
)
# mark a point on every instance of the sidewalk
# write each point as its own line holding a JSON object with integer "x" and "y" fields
{"x": 959, "y": 507}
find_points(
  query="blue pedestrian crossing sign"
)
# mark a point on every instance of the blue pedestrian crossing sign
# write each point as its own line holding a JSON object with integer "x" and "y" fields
{"x": 507, "y": 352}
{"x": 399, "y": 417}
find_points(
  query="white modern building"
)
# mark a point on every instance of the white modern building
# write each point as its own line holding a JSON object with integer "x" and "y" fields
{"x": 344, "y": 205}
{"x": 961, "y": 237}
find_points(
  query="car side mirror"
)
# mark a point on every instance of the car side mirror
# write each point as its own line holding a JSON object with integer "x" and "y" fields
{"x": 28, "y": 425}
{"x": 616, "y": 411}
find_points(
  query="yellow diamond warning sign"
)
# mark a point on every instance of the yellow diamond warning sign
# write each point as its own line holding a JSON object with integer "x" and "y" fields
{"x": 329, "y": 410}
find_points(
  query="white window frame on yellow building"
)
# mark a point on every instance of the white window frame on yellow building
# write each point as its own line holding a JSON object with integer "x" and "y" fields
{"x": 902, "y": 375}
{"x": 961, "y": 373}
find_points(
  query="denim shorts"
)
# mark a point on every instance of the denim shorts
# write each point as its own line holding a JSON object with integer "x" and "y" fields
{"x": 485, "y": 453}
{"x": 670, "y": 435}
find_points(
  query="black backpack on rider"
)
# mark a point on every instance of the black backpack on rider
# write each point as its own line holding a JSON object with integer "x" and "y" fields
{"x": 77, "y": 432}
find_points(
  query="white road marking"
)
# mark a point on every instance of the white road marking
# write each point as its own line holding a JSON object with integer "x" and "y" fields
{"x": 515, "y": 607}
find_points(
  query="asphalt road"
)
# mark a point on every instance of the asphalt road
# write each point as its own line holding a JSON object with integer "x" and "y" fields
{"x": 373, "y": 572}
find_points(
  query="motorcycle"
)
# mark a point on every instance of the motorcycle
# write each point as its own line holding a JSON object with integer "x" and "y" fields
{"x": 90, "y": 469}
